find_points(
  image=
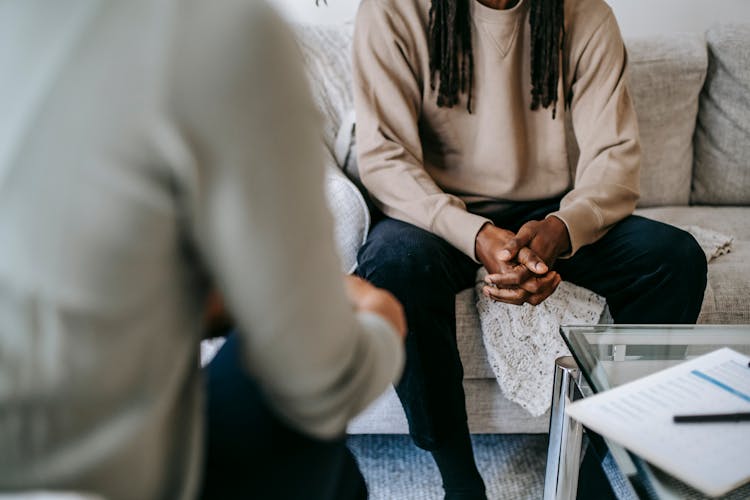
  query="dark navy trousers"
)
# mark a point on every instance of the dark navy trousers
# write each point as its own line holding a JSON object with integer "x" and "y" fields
{"x": 649, "y": 272}
{"x": 252, "y": 453}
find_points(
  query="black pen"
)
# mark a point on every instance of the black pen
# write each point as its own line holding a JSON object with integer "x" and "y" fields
{"x": 716, "y": 417}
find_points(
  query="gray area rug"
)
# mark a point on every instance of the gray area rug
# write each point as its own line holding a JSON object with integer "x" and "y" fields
{"x": 512, "y": 466}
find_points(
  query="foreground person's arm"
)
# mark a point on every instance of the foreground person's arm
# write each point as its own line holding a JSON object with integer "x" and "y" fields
{"x": 255, "y": 193}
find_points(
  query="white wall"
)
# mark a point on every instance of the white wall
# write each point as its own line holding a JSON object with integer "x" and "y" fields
{"x": 636, "y": 17}
{"x": 305, "y": 10}
{"x": 648, "y": 17}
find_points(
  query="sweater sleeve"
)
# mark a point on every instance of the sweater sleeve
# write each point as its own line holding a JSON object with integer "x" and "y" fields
{"x": 607, "y": 175}
{"x": 258, "y": 215}
{"x": 388, "y": 100}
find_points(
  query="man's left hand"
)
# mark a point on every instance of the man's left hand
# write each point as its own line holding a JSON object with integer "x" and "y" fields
{"x": 547, "y": 238}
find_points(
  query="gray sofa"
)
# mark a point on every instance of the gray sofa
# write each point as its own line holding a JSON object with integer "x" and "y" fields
{"x": 692, "y": 95}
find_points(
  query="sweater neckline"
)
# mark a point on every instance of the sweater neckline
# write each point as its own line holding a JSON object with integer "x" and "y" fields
{"x": 488, "y": 14}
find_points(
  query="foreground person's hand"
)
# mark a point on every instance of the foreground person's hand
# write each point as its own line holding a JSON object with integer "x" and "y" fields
{"x": 367, "y": 297}
{"x": 217, "y": 320}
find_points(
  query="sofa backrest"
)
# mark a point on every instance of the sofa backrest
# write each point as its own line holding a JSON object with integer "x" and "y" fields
{"x": 722, "y": 135}
{"x": 665, "y": 79}
{"x": 666, "y": 75}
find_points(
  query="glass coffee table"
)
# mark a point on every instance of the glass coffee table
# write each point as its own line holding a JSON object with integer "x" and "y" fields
{"x": 606, "y": 356}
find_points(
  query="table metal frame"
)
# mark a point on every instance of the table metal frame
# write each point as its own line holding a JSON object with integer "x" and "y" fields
{"x": 566, "y": 443}
{"x": 565, "y": 434}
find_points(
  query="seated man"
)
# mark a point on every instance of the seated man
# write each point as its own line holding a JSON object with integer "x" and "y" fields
{"x": 149, "y": 152}
{"x": 461, "y": 108}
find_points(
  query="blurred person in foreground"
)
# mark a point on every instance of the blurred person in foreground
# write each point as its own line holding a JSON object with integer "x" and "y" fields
{"x": 149, "y": 152}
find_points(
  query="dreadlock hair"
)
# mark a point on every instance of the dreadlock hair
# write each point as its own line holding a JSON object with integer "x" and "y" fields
{"x": 452, "y": 58}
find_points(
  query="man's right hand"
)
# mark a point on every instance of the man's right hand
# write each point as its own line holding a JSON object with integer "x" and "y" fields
{"x": 367, "y": 297}
{"x": 525, "y": 279}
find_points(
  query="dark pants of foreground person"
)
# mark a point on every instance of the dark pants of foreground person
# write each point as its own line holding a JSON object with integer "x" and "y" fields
{"x": 250, "y": 453}
{"x": 649, "y": 272}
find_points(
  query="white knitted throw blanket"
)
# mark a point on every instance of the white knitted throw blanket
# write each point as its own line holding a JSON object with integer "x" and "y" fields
{"x": 522, "y": 342}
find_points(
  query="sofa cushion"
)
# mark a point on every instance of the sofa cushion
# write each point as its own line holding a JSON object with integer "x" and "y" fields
{"x": 726, "y": 298}
{"x": 665, "y": 78}
{"x": 469, "y": 337}
{"x": 722, "y": 135}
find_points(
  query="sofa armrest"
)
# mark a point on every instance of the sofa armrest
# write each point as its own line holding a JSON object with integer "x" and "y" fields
{"x": 351, "y": 216}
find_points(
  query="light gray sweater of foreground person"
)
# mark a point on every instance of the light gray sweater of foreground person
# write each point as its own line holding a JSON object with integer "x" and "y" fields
{"x": 150, "y": 149}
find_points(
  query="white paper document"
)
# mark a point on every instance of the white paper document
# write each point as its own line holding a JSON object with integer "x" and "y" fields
{"x": 711, "y": 457}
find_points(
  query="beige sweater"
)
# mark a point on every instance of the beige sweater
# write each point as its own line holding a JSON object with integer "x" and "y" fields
{"x": 428, "y": 165}
{"x": 150, "y": 148}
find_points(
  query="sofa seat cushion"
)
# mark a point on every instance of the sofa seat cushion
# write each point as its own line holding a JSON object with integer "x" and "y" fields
{"x": 726, "y": 300}
{"x": 469, "y": 337}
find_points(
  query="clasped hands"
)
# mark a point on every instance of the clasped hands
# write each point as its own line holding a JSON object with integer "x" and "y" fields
{"x": 520, "y": 266}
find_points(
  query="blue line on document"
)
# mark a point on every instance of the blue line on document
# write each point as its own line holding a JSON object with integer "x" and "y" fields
{"x": 724, "y": 386}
